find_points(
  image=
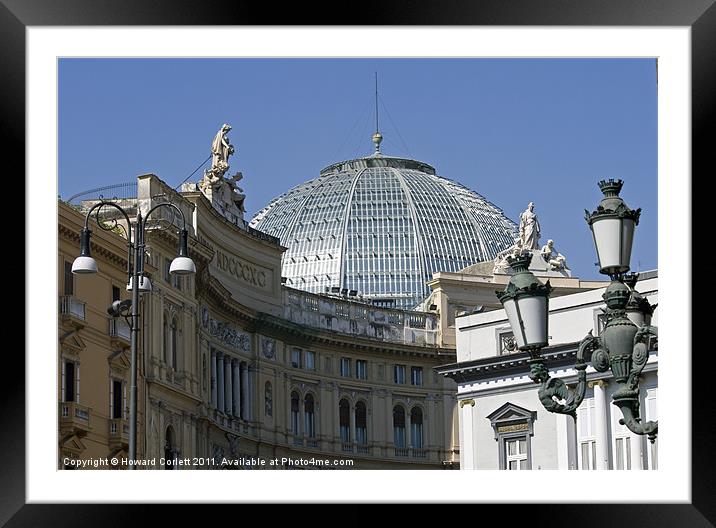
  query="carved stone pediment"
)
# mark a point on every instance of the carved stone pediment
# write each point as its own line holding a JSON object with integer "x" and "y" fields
{"x": 73, "y": 444}
{"x": 510, "y": 411}
{"x": 119, "y": 360}
{"x": 72, "y": 344}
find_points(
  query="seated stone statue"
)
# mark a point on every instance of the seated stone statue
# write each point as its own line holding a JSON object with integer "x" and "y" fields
{"x": 553, "y": 257}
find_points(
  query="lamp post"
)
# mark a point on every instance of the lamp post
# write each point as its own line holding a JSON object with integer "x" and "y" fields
{"x": 85, "y": 264}
{"x": 622, "y": 346}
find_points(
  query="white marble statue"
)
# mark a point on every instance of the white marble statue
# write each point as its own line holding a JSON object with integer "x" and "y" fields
{"x": 223, "y": 191}
{"x": 553, "y": 257}
{"x": 221, "y": 149}
{"x": 529, "y": 228}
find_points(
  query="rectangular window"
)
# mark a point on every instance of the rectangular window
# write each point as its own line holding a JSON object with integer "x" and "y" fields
{"x": 399, "y": 374}
{"x": 117, "y": 410}
{"x": 361, "y": 369}
{"x": 115, "y": 293}
{"x": 345, "y": 367}
{"x": 586, "y": 421}
{"x": 296, "y": 358}
{"x": 310, "y": 360}
{"x": 69, "y": 381}
{"x": 652, "y": 415}
{"x": 69, "y": 279}
{"x": 622, "y": 442}
{"x": 167, "y": 266}
{"x": 416, "y": 375}
{"x": 516, "y": 454}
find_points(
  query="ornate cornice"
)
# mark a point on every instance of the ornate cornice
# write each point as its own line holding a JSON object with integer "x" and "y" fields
{"x": 118, "y": 259}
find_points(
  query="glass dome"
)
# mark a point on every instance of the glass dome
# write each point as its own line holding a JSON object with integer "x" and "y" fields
{"x": 381, "y": 226}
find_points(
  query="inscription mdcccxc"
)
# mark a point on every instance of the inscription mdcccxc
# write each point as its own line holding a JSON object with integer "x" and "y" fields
{"x": 241, "y": 270}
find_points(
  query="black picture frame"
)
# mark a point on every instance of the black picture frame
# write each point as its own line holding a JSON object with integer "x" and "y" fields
{"x": 699, "y": 15}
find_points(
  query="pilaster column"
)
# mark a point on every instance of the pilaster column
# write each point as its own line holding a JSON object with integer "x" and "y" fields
{"x": 220, "y": 381}
{"x": 245, "y": 390}
{"x": 213, "y": 378}
{"x": 235, "y": 385}
{"x": 467, "y": 445}
{"x": 600, "y": 422}
{"x": 352, "y": 410}
{"x": 636, "y": 443}
{"x": 228, "y": 391}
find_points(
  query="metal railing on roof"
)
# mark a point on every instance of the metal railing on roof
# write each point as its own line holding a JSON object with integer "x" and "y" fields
{"x": 118, "y": 191}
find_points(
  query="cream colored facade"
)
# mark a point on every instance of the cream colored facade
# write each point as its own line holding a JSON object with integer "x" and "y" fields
{"x": 93, "y": 353}
{"x": 239, "y": 367}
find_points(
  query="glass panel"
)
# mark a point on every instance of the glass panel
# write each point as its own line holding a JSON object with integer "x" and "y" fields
{"x": 620, "y": 453}
{"x": 628, "y": 453}
{"x": 512, "y": 464}
{"x": 512, "y": 447}
{"x": 585, "y": 455}
{"x": 523, "y": 464}
{"x": 594, "y": 455}
{"x": 523, "y": 447}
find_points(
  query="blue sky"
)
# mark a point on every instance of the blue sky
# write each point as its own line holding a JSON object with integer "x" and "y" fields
{"x": 513, "y": 130}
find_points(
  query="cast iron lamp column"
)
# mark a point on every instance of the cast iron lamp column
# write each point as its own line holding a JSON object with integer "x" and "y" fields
{"x": 85, "y": 264}
{"x": 622, "y": 346}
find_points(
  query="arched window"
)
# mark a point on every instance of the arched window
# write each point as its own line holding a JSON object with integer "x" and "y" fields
{"x": 399, "y": 426}
{"x": 344, "y": 416}
{"x": 416, "y": 428}
{"x": 170, "y": 450}
{"x": 294, "y": 413}
{"x": 361, "y": 424}
{"x": 308, "y": 407}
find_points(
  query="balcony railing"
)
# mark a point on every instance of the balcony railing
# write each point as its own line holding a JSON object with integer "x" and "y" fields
{"x": 118, "y": 328}
{"x": 298, "y": 440}
{"x": 362, "y": 449}
{"x": 312, "y": 442}
{"x": 118, "y": 427}
{"x": 347, "y": 447}
{"x": 401, "y": 451}
{"x": 419, "y": 453}
{"x": 75, "y": 416}
{"x": 118, "y": 433}
{"x": 70, "y": 306}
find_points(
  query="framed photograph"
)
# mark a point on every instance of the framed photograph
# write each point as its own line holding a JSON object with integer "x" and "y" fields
{"x": 294, "y": 243}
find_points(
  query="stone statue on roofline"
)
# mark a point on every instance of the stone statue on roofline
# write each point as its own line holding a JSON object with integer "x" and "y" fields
{"x": 546, "y": 259}
{"x": 223, "y": 192}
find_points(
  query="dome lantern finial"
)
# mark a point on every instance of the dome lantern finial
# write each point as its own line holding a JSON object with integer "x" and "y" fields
{"x": 377, "y": 138}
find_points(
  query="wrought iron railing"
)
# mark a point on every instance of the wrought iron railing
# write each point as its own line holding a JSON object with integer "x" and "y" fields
{"x": 69, "y": 305}
{"x": 119, "y": 191}
{"x": 119, "y": 328}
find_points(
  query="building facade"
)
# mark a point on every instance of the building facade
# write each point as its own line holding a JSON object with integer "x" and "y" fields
{"x": 93, "y": 349}
{"x": 237, "y": 365}
{"x": 503, "y": 425}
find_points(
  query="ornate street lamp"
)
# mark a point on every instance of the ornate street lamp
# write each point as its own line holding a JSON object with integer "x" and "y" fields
{"x": 622, "y": 345}
{"x": 84, "y": 264}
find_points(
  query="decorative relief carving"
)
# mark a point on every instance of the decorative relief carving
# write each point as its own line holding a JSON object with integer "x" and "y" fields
{"x": 226, "y": 332}
{"x": 268, "y": 347}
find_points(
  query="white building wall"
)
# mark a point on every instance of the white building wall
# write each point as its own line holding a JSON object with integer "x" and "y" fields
{"x": 570, "y": 318}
